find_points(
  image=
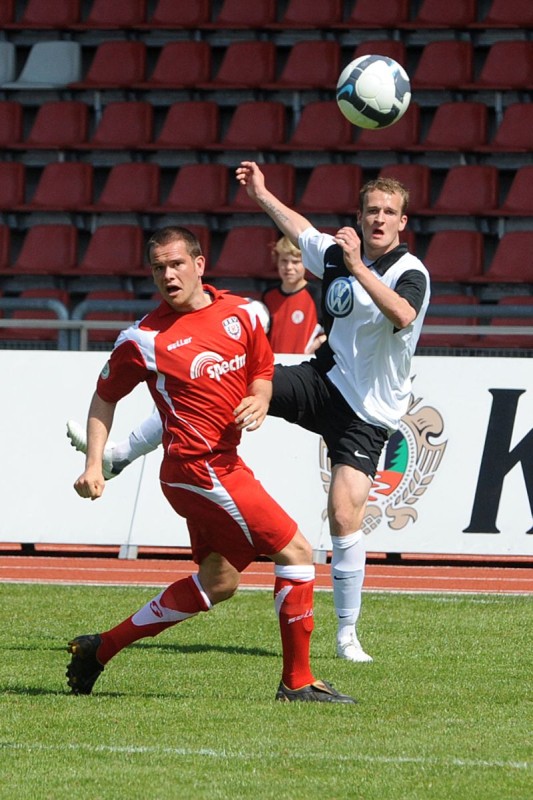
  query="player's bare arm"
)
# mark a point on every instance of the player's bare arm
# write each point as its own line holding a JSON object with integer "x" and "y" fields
{"x": 91, "y": 482}
{"x": 288, "y": 221}
{"x": 252, "y": 410}
{"x": 397, "y": 309}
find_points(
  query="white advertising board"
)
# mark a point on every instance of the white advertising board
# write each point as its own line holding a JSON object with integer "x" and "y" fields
{"x": 456, "y": 479}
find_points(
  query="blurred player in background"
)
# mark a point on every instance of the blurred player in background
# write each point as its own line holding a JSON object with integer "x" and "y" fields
{"x": 208, "y": 365}
{"x": 294, "y": 305}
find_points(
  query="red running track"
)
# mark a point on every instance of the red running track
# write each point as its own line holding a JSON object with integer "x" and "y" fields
{"x": 433, "y": 577}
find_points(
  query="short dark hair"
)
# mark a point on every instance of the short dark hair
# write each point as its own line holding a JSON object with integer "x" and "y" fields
{"x": 168, "y": 234}
{"x": 384, "y": 184}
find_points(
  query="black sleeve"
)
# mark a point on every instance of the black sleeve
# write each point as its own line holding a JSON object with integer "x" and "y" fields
{"x": 412, "y": 286}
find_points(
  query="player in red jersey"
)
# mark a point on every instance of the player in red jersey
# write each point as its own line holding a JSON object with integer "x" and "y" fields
{"x": 208, "y": 366}
{"x": 293, "y": 305}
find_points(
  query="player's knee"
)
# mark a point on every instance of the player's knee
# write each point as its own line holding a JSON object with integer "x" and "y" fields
{"x": 222, "y": 589}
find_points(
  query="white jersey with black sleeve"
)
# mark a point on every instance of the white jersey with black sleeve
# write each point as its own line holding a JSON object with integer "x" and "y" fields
{"x": 365, "y": 357}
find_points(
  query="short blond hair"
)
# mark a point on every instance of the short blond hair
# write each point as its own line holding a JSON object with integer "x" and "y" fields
{"x": 285, "y": 247}
{"x": 388, "y": 185}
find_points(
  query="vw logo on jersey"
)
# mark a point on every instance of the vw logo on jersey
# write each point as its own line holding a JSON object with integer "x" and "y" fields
{"x": 339, "y": 298}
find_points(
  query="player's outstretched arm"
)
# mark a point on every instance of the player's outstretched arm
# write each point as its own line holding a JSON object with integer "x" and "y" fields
{"x": 91, "y": 482}
{"x": 290, "y": 222}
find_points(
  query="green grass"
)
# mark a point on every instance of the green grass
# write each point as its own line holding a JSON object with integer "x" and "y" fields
{"x": 444, "y": 712}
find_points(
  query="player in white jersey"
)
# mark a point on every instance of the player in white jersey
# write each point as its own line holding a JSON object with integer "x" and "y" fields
{"x": 208, "y": 366}
{"x": 354, "y": 392}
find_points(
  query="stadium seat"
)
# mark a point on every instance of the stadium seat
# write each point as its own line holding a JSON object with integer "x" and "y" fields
{"x": 301, "y": 14}
{"x": 109, "y": 296}
{"x": 114, "y": 250}
{"x": 8, "y": 62}
{"x": 246, "y": 252}
{"x": 310, "y": 65}
{"x": 255, "y": 125}
{"x": 39, "y": 313}
{"x": 280, "y": 179}
{"x": 48, "y": 250}
{"x": 452, "y": 14}
{"x": 235, "y": 14}
{"x": 49, "y": 65}
{"x": 518, "y": 201}
{"x": 116, "y": 64}
{"x": 514, "y": 340}
{"x": 188, "y": 125}
{"x": 507, "y": 65}
{"x": 468, "y": 189}
{"x": 320, "y": 127}
{"x": 12, "y": 184}
{"x": 196, "y": 188}
{"x": 456, "y": 126}
{"x": 505, "y": 14}
{"x": 416, "y": 178}
{"x": 392, "y": 48}
{"x": 58, "y": 124}
{"x": 511, "y": 262}
{"x": 130, "y": 186}
{"x": 403, "y": 135}
{"x": 62, "y": 186}
{"x": 115, "y": 15}
{"x": 42, "y": 15}
{"x": 180, "y": 65}
{"x": 168, "y": 14}
{"x": 428, "y": 339}
{"x": 7, "y": 12}
{"x": 123, "y": 125}
{"x": 331, "y": 189}
{"x": 245, "y": 65}
{"x": 455, "y": 256}
{"x": 5, "y": 247}
{"x": 444, "y": 64}
{"x": 514, "y": 134}
{"x": 369, "y": 14}
{"x": 11, "y": 118}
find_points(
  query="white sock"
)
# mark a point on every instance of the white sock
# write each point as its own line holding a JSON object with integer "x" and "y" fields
{"x": 347, "y": 574}
{"x": 142, "y": 440}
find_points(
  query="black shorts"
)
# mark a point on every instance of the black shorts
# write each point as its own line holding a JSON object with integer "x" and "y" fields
{"x": 301, "y": 395}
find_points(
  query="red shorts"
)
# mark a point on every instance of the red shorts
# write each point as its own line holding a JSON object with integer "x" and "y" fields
{"x": 227, "y": 509}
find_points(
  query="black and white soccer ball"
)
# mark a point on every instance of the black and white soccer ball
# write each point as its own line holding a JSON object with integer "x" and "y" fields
{"x": 373, "y": 91}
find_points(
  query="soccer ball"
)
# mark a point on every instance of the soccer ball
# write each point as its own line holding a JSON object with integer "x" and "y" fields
{"x": 373, "y": 92}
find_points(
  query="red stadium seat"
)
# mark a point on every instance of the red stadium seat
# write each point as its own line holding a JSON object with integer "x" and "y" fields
{"x": 456, "y": 126}
{"x": 58, "y": 125}
{"x": 247, "y": 253}
{"x": 5, "y": 248}
{"x": 12, "y": 184}
{"x": 518, "y": 201}
{"x": 505, "y": 14}
{"x": 245, "y": 65}
{"x": 280, "y": 180}
{"x": 455, "y": 256}
{"x": 180, "y": 65}
{"x": 403, "y": 135}
{"x": 255, "y": 125}
{"x": 444, "y": 64}
{"x": 39, "y": 313}
{"x": 11, "y": 118}
{"x": 321, "y": 127}
{"x": 428, "y": 339}
{"x": 451, "y": 14}
{"x": 514, "y": 134}
{"x": 42, "y": 14}
{"x": 470, "y": 189}
{"x": 310, "y": 65}
{"x": 301, "y": 14}
{"x": 235, "y": 14}
{"x": 508, "y": 65}
{"x": 392, "y": 48}
{"x": 110, "y": 296}
{"x": 113, "y": 15}
{"x": 115, "y": 250}
{"x": 197, "y": 188}
{"x": 188, "y": 125}
{"x": 62, "y": 186}
{"x": 514, "y": 340}
{"x": 49, "y": 250}
{"x": 416, "y": 178}
{"x": 331, "y": 189}
{"x": 116, "y": 64}
{"x": 168, "y": 14}
{"x": 511, "y": 262}
{"x": 123, "y": 125}
{"x": 7, "y": 13}
{"x": 369, "y": 14}
{"x": 131, "y": 186}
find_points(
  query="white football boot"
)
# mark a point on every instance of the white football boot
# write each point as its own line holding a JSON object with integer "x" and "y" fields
{"x": 78, "y": 439}
{"x": 351, "y": 650}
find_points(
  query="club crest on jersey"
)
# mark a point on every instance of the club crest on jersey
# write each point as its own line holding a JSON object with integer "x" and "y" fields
{"x": 232, "y": 326}
{"x": 339, "y": 298}
{"x": 105, "y": 371}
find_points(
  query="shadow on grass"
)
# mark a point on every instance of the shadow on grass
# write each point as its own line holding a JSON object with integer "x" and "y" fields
{"x": 231, "y": 650}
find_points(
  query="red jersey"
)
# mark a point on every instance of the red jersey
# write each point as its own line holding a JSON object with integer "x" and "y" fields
{"x": 198, "y": 367}
{"x": 294, "y": 320}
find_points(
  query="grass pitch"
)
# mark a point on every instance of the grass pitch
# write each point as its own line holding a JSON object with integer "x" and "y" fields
{"x": 444, "y": 712}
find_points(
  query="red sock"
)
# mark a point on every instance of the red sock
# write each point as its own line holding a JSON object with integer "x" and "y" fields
{"x": 179, "y": 601}
{"x": 294, "y": 605}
